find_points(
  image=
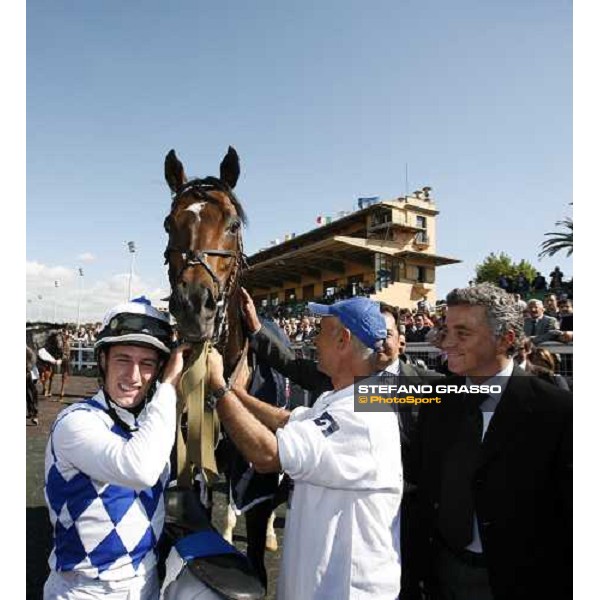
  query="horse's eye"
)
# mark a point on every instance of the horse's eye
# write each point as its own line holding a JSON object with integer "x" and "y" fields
{"x": 234, "y": 227}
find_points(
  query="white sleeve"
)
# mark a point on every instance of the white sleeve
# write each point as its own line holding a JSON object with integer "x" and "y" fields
{"x": 332, "y": 450}
{"x": 82, "y": 439}
{"x": 45, "y": 355}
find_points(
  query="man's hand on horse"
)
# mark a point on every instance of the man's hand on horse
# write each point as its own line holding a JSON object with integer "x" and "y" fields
{"x": 249, "y": 312}
{"x": 215, "y": 370}
{"x": 174, "y": 366}
{"x": 242, "y": 377}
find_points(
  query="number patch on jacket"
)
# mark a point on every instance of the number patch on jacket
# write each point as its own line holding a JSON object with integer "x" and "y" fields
{"x": 327, "y": 424}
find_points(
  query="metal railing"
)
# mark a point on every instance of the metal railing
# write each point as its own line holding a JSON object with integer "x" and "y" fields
{"x": 82, "y": 355}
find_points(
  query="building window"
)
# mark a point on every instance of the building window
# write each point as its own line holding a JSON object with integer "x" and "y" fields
{"x": 421, "y": 222}
{"x": 421, "y": 274}
{"x": 388, "y": 269}
{"x": 308, "y": 292}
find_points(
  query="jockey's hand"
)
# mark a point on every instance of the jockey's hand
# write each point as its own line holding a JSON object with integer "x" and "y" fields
{"x": 215, "y": 370}
{"x": 59, "y": 362}
{"x": 174, "y": 366}
{"x": 249, "y": 312}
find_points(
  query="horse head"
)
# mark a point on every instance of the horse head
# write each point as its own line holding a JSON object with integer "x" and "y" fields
{"x": 54, "y": 344}
{"x": 204, "y": 251}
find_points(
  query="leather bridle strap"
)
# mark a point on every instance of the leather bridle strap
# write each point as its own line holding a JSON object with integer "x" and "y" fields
{"x": 193, "y": 258}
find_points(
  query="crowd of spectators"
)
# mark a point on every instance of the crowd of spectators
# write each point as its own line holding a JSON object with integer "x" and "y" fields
{"x": 421, "y": 322}
{"x": 549, "y": 320}
{"x": 538, "y": 285}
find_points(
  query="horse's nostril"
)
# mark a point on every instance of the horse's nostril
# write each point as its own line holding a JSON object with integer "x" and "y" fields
{"x": 210, "y": 303}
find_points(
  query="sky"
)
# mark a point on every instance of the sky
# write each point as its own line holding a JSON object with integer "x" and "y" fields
{"x": 325, "y": 102}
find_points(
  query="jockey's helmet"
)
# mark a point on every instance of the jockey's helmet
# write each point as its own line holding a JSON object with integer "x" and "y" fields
{"x": 136, "y": 324}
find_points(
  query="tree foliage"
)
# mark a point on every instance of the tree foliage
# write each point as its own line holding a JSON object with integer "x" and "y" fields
{"x": 559, "y": 240}
{"x": 495, "y": 265}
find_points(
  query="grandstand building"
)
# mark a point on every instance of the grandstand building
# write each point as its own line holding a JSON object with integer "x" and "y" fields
{"x": 385, "y": 249}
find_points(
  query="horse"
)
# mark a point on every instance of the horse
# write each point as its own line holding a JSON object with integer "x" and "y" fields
{"x": 54, "y": 346}
{"x": 205, "y": 259}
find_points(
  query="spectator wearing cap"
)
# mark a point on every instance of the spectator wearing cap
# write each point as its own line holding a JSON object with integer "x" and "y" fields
{"x": 342, "y": 530}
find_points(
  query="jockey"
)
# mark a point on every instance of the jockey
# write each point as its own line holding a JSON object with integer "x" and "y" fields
{"x": 107, "y": 463}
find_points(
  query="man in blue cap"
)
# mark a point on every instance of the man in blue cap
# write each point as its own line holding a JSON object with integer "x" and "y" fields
{"x": 342, "y": 529}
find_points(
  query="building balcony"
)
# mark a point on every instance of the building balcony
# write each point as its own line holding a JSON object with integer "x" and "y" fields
{"x": 422, "y": 240}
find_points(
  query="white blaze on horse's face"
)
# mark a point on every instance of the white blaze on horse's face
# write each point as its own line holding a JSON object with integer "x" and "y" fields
{"x": 196, "y": 208}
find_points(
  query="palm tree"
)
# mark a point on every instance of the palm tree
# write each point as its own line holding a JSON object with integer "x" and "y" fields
{"x": 560, "y": 240}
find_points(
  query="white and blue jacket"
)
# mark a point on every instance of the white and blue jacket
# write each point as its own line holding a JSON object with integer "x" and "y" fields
{"x": 105, "y": 486}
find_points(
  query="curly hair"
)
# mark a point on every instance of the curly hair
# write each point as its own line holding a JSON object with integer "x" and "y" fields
{"x": 502, "y": 311}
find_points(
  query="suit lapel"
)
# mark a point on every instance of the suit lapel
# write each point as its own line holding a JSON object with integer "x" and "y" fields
{"x": 511, "y": 414}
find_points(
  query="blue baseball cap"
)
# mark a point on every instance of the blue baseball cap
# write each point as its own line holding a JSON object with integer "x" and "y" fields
{"x": 360, "y": 315}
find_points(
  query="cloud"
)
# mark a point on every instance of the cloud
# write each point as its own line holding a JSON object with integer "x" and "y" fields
{"x": 86, "y": 257}
{"x": 79, "y": 294}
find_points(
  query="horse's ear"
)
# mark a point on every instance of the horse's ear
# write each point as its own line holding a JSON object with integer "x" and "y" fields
{"x": 174, "y": 173}
{"x": 230, "y": 168}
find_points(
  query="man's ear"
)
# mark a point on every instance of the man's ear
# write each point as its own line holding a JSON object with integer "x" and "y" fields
{"x": 102, "y": 359}
{"x": 344, "y": 336}
{"x": 506, "y": 341}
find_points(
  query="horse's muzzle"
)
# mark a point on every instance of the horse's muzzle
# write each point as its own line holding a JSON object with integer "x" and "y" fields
{"x": 194, "y": 308}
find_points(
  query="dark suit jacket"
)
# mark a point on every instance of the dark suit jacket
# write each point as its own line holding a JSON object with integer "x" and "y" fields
{"x": 545, "y": 330}
{"x": 522, "y": 488}
{"x": 566, "y": 323}
{"x": 303, "y": 371}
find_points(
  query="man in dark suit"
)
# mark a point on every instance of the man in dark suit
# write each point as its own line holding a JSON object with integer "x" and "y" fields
{"x": 494, "y": 477}
{"x": 419, "y": 332}
{"x": 565, "y": 308}
{"x": 539, "y": 326}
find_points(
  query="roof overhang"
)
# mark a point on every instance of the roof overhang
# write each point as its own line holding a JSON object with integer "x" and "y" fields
{"x": 329, "y": 255}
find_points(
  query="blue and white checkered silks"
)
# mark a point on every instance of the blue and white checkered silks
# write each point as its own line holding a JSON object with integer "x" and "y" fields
{"x": 103, "y": 531}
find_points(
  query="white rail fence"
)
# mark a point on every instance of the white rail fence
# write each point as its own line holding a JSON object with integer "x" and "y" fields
{"x": 82, "y": 355}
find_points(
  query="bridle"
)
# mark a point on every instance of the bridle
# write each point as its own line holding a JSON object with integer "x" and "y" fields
{"x": 192, "y": 258}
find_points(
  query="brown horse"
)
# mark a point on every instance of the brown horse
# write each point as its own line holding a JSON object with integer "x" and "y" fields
{"x": 206, "y": 260}
{"x": 54, "y": 347}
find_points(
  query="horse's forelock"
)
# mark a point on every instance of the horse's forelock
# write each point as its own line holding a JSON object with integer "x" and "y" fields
{"x": 220, "y": 186}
